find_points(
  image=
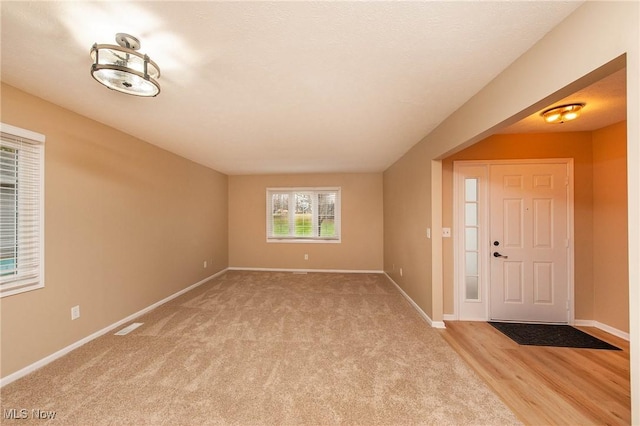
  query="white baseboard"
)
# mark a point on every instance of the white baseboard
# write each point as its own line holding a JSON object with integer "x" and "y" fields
{"x": 604, "y": 327}
{"x": 337, "y": 271}
{"x": 432, "y": 323}
{"x": 452, "y": 317}
{"x": 50, "y": 358}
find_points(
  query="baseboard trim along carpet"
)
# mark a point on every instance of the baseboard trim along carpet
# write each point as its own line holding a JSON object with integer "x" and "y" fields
{"x": 48, "y": 359}
{"x": 423, "y": 314}
{"x": 329, "y": 271}
{"x": 555, "y": 335}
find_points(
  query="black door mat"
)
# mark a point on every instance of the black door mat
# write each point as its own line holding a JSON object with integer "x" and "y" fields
{"x": 550, "y": 335}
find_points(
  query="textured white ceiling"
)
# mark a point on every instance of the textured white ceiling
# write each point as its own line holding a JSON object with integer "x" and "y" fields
{"x": 276, "y": 87}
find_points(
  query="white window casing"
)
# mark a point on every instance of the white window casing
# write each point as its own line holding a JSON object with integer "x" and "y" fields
{"x": 303, "y": 215}
{"x": 21, "y": 210}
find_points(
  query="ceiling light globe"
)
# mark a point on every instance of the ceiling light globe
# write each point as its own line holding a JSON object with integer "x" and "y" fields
{"x": 572, "y": 115}
{"x": 552, "y": 118}
{"x": 124, "y": 69}
{"x": 126, "y": 82}
{"x": 562, "y": 113}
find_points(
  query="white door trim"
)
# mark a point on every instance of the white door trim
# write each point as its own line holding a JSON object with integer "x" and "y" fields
{"x": 458, "y": 240}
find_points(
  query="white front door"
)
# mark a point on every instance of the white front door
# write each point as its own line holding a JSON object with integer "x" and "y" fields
{"x": 529, "y": 240}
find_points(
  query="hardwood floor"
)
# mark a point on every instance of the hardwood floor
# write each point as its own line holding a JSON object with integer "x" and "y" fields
{"x": 545, "y": 385}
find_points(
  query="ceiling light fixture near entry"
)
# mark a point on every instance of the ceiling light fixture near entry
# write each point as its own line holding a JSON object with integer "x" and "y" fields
{"x": 123, "y": 68}
{"x": 562, "y": 113}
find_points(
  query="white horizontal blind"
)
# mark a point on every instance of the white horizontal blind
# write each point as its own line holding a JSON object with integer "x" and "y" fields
{"x": 299, "y": 214}
{"x": 21, "y": 211}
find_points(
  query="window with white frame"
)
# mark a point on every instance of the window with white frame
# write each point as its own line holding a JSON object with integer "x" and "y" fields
{"x": 303, "y": 214}
{"x": 21, "y": 210}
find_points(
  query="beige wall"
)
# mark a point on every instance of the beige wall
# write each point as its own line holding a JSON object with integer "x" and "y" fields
{"x": 127, "y": 224}
{"x": 549, "y": 71}
{"x": 361, "y": 245}
{"x": 406, "y": 218}
{"x": 610, "y": 227}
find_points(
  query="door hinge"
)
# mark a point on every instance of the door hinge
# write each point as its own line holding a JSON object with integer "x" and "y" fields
{"x": 566, "y": 181}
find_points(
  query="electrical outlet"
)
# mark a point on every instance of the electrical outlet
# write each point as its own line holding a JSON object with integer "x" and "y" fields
{"x": 428, "y": 232}
{"x": 446, "y": 232}
{"x": 75, "y": 312}
{"x": 205, "y": 264}
{"x": 306, "y": 256}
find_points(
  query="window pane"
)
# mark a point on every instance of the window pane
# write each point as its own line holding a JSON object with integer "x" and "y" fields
{"x": 280, "y": 214}
{"x": 471, "y": 288}
{"x": 303, "y": 215}
{"x": 9, "y": 212}
{"x": 471, "y": 239}
{"x": 471, "y": 214}
{"x": 471, "y": 189}
{"x": 471, "y": 263}
{"x": 326, "y": 215}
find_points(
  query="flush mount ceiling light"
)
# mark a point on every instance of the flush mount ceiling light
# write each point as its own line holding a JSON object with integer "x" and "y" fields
{"x": 123, "y": 68}
{"x": 562, "y": 113}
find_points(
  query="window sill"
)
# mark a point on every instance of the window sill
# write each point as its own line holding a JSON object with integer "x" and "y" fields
{"x": 10, "y": 290}
{"x": 304, "y": 240}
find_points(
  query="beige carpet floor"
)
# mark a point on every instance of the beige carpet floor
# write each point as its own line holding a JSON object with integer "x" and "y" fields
{"x": 276, "y": 348}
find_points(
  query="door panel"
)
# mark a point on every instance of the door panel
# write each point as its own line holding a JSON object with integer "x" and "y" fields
{"x": 543, "y": 282}
{"x": 542, "y": 221}
{"x": 513, "y": 282}
{"x": 528, "y": 220}
{"x": 513, "y": 220}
